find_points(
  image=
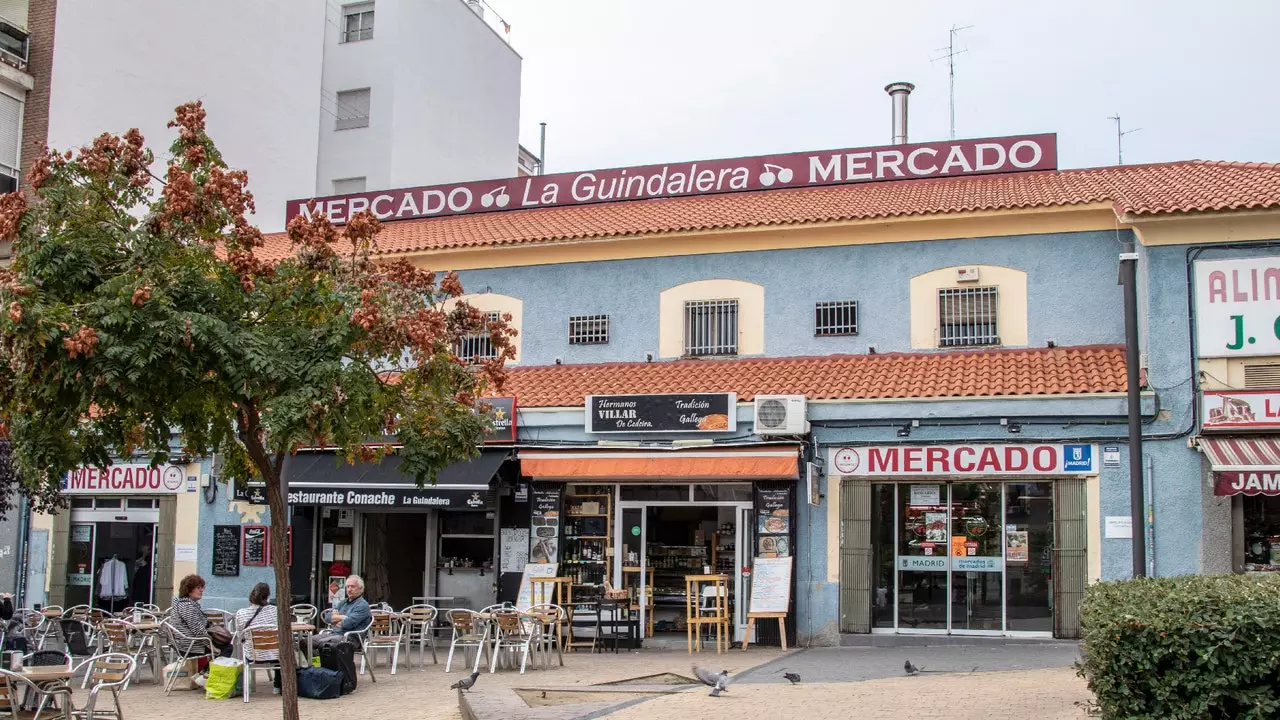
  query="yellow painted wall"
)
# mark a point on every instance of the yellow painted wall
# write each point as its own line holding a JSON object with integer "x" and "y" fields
{"x": 1205, "y": 229}
{"x": 833, "y": 487}
{"x": 1093, "y": 517}
{"x": 1011, "y": 306}
{"x": 750, "y": 297}
{"x": 493, "y": 302}
{"x": 187, "y": 526}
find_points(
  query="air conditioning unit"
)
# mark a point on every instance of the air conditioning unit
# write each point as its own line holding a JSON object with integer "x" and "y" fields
{"x": 781, "y": 415}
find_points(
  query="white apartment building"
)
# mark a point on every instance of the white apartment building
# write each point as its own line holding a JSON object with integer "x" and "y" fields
{"x": 15, "y": 82}
{"x": 311, "y": 97}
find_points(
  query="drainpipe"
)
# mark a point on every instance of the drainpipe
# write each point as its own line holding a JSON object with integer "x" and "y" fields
{"x": 1137, "y": 505}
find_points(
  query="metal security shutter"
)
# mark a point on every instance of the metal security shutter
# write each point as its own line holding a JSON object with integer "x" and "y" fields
{"x": 855, "y": 556}
{"x": 1070, "y": 557}
{"x": 10, "y": 130}
{"x": 163, "y": 593}
{"x": 58, "y": 567}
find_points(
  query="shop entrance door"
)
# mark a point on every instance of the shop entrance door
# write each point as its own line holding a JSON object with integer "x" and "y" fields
{"x": 969, "y": 556}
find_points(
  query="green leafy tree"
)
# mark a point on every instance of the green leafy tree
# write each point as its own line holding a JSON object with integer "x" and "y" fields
{"x": 138, "y": 318}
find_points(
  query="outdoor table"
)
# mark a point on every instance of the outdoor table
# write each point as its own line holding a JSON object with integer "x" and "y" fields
{"x": 45, "y": 677}
{"x": 309, "y": 630}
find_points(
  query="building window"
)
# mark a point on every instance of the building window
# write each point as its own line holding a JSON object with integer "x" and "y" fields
{"x": 589, "y": 330}
{"x": 478, "y": 346}
{"x": 13, "y": 45}
{"x": 710, "y": 327}
{"x": 835, "y": 318}
{"x": 353, "y": 109}
{"x": 967, "y": 317}
{"x": 348, "y": 186}
{"x": 357, "y": 22}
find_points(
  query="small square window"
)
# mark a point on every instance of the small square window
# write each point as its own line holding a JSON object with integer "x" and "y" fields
{"x": 348, "y": 186}
{"x": 478, "y": 346}
{"x": 967, "y": 317}
{"x": 835, "y": 318}
{"x": 352, "y": 109}
{"x": 589, "y": 330}
{"x": 710, "y": 327}
{"x": 357, "y": 22}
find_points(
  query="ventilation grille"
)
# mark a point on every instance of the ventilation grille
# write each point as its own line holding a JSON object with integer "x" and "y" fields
{"x": 771, "y": 413}
{"x": 1262, "y": 377}
{"x": 835, "y": 318}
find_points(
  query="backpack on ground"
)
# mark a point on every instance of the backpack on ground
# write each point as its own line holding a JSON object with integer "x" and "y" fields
{"x": 319, "y": 683}
{"x": 338, "y": 653}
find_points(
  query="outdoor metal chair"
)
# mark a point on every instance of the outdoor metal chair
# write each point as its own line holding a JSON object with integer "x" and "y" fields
{"x": 108, "y": 672}
{"x": 360, "y": 638}
{"x": 469, "y": 631}
{"x": 259, "y": 644}
{"x": 219, "y": 617}
{"x": 420, "y": 627}
{"x": 47, "y": 629}
{"x": 384, "y": 634}
{"x": 46, "y": 658}
{"x": 550, "y": 619}
{"x": 304, "y": 613}
{"x": 14, "y": 686}
{"x": 125, "y": 638}
{"x": 184, "y": 648}
{"x": 512, "y": 632}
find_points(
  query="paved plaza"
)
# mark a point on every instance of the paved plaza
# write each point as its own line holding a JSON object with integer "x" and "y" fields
{"x": 1013, "y": 681}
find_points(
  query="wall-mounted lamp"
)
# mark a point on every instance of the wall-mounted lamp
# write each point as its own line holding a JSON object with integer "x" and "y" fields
{"x": 1014, "y": 428}
{"x": 905, "y": 430}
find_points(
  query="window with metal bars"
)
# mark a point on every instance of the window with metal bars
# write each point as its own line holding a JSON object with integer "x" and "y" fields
{"x": 478, "y": 346}
{"x": 589, "y": 330}
{"x": 710, "y": 327}
{"x": 835, "y": 318}
{"x": 357, "y": 21}
{"x": 967, "y": 317}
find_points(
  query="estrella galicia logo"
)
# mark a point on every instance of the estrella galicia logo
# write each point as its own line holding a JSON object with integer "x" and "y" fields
{"x": 1077, "y": 458}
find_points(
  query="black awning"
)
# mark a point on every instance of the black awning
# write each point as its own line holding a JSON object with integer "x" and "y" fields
{"x": 322, "y": 479}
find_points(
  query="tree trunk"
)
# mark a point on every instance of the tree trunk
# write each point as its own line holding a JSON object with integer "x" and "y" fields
{"x": 284, "y": 597}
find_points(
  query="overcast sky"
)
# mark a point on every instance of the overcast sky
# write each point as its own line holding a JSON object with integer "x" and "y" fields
{"x": 630, "y": 82}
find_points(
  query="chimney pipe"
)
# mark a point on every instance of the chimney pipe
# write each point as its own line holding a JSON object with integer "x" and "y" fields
{"x": 898, "y": 93}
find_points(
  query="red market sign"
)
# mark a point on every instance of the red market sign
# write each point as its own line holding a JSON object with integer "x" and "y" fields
{"x": 126, "y": 479}
{"x": 1240, "y": 409}
{"x": 794, "y": 170}
{"x": 963, "y": 460}
{"x": 1246, "y": 483}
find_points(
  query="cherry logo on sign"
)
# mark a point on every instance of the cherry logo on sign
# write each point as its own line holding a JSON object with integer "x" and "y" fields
{"x": 497, "y": 196}
{"x": 775, "y": 173}
{"x": 847, "y": 461}
{"x": 171, "y": 477}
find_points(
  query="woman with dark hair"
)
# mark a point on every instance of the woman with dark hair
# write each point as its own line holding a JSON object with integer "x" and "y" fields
{"x": 260, "y": 614}
{"x": 189, "y": 618}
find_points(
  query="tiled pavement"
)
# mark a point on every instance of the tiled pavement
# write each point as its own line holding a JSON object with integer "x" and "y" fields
{"x": 1011, "y": 682}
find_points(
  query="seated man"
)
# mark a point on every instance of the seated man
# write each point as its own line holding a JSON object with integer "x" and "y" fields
{"x": 351, "y": 613}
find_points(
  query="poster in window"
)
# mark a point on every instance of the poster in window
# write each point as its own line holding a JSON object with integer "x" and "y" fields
{"x": 935, "y": 527}
{"x": 1016, "y": 550}
{"x": 254, "y": 542}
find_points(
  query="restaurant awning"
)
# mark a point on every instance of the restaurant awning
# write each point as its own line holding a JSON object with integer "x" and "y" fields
{"x": 730, "y": 464}
{"x": 1249, "y": 466}
{"x": 320, "y": 478}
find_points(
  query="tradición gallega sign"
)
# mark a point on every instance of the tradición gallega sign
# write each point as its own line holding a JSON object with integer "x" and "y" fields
{"x": 1238, "y": 307}
{"x": 1240, "y": 409}
{"x": 975, "y": 460}
{"x": 125, "y": 479}
{"x": 690, "y": 412}
{"x": 705, "y": 177}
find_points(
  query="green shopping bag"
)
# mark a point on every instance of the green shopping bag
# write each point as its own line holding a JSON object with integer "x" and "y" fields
{"x": 224, "y": 679}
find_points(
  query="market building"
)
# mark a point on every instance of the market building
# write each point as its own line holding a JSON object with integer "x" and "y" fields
{"x": 899, "y": 371}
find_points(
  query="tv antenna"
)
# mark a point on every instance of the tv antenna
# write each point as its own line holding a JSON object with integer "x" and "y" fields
{"x": 949, "y": 52}
{"x": 1120, "y": 133}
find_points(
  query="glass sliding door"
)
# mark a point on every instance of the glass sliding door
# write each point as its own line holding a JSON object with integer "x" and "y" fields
{"x": 977, "y": 554}
{"x": 962, "y": 557}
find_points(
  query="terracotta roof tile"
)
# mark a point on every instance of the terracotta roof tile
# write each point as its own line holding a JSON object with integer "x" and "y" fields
{"x": 974, "y": 373}
{"x": 1139, "y": 190}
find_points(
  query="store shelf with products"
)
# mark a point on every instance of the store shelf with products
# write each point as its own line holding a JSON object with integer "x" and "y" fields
{"x": 588, "y": 547}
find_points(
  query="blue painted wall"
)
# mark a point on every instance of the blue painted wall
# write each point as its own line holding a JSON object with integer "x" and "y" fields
{"x": 228, "y": 593}
{"x": 1071, "y": 285}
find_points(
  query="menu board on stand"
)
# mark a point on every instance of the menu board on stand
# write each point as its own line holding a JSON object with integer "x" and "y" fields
{"x": 524, "y": 599}
{"x": 770, "y": 595}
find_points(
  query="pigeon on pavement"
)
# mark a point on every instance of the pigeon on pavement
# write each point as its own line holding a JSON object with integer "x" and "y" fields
{"x": 718, "y": 682}
{"x": 911, "y": 669}
{"x": 793, "y": 677}
{"x": 466, "y": 682}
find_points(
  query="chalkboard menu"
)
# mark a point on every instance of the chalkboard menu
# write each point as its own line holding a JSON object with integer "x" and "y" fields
{"x": 544, "y": 533}
{"x": 226, "y": 550}
{"x": 254, "y": 545}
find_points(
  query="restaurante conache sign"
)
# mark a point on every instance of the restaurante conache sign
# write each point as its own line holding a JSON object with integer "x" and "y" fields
{"x": 704, "y": 177}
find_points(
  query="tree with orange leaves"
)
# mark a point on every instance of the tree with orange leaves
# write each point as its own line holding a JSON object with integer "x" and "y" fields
{"x": 137, "y": 321}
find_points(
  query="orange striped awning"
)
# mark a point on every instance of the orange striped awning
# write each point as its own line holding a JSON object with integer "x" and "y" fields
{"x": 675, "y": 466}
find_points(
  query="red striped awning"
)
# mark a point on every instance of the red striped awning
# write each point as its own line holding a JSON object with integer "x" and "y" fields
{"x": 1248, "y": 466}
